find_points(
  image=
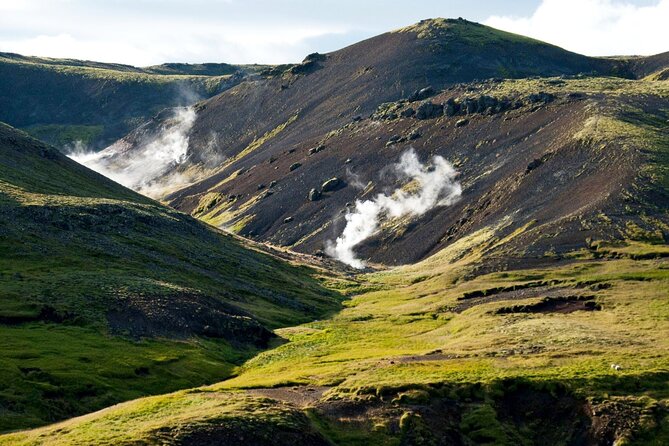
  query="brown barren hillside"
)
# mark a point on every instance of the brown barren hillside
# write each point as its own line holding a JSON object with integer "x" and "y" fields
{"x": 551, "y": 149}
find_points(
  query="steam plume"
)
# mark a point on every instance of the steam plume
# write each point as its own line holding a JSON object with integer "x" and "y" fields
{"x": 435, "y": 185}
{"x": 142, "y": 167}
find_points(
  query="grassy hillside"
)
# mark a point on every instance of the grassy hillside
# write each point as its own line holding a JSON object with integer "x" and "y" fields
{"x": 106, "y": 295}
{"x": 64, "y": 101}
{"x": 572, "y": 352}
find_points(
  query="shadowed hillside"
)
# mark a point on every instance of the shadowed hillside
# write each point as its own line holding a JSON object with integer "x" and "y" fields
{"x": 106, "y": 295}
{"x": 65, "y": 102}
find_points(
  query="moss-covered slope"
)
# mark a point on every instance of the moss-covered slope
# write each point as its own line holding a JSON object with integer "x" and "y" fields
{"x": 106, "y": 295}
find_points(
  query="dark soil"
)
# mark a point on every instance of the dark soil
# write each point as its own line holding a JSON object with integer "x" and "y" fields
{"x": 561, "y": 304}
{"x": 185, "y": 315}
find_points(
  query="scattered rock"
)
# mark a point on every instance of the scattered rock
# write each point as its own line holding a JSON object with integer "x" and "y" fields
{"x": 533, "y": 165}
{"x": 332, "y": 184}
{"x": 415, "y": 134}
{"x": 288, "y": 219}
{"x": 348, "y": 161}
{"x": 407, "y": 113}
{"x": 261, "y": 186}
{"x": 461, "y": 122}
{"x": 294, "y": 166}
{"x": 357, "y": 118}
{"x": 272, "y": 184}
{"x": 314, "y": 194}
{"x": 316, "y": 149}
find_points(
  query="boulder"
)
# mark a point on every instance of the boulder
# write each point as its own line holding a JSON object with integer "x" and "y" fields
{"x": 461, "y": 122}
{"x": 428, "y": 110}
{"x": 533, "y": 165}
{"x": 407, "y": 113}
{"x": 422, "y": 94}
{"x": 332, "y": 184}
{"x": 294, "y": 166}
{"x": 486, "y": 103}
{"x": 272, "y": 184}
{"x": 451, "y": 107}
{"x": 314, "y": 194}
{"x": 288, "y": 219}
{"x": 470, "y": 106}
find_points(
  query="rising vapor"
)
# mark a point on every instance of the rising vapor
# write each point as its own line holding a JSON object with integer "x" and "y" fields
{"x": 435, "y": 186}
{"x": 143, "y": 168}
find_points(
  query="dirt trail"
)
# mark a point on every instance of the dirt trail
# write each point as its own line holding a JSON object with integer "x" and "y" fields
{"x": 301, "y": 396}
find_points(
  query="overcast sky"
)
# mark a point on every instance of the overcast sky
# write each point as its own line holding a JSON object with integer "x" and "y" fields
{"x": 147, "y": 32}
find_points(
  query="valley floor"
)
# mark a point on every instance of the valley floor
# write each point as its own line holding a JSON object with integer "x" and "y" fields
{"x": 571, "y": 351}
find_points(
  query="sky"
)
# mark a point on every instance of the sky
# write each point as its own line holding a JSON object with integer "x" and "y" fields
{"x": 148, "y": 32}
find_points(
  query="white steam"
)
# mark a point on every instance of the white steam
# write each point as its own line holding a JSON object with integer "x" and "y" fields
{"x": 144, "y": 167}
{"x": 435, "y": 185}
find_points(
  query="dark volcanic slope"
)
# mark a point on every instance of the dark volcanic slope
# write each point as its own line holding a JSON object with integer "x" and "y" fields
{"x": 327, "y": 91}
{"x": 527, "y": 158}
{"x": 106, "y": 295}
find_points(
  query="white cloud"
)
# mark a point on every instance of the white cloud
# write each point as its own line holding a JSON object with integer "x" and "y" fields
{"x": 595, "y": 27}
{"x": 140, "y": 33}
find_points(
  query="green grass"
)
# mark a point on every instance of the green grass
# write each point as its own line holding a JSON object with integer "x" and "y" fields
{"x": 79, "y": 248}
{"x": 72, "y": 369}
{"x": 164, "y": 417}
{"x": 375, "y": 349}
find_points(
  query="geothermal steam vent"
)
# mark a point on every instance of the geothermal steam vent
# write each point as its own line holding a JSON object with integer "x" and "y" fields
{"x": 435, "y": 185}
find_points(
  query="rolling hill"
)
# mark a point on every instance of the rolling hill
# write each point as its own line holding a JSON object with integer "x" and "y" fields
{"x": 73, "y": 103}
{"x": 106, "y": 295}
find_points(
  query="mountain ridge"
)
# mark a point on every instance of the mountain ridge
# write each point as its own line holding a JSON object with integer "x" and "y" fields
{"x": 348, "y": 103}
